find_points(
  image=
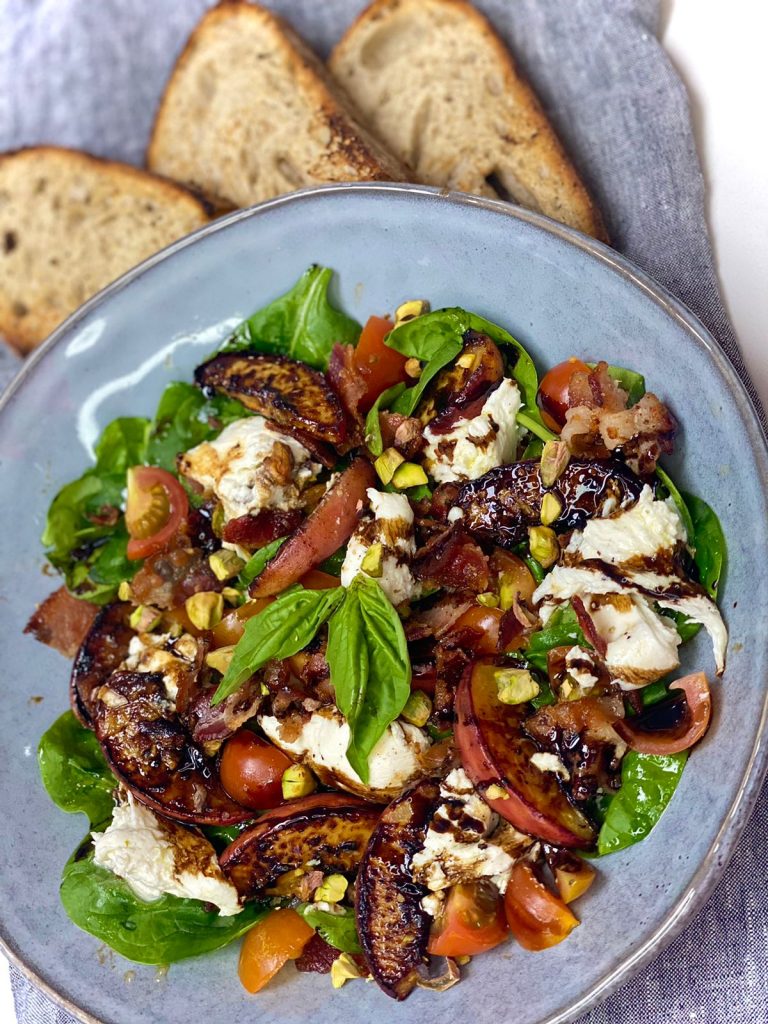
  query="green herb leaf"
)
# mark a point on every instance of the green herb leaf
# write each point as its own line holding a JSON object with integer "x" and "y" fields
{"x": 332, "y": 565}
{"x": 338, "y": 929}
{"x": 220, "y": 836}
{"x": 373, "y": 423}
{"x": 668, "y": 489}
{"x": 632, "y": 382}
{"x": 710, "y": 551}
{"x": 73, "y": 769}
{"x": 161, "y": 932}
{"x": 302, "y": 324}
{"x": 185, "y": 418}
{"x": 280, "y": 630}
{"x": 647, "y": 785}
{"x": 258, "y": 560}
{"x": 561, "y": 630}
{"x": 370, "y": 667}
{"x": 122, "y": 444}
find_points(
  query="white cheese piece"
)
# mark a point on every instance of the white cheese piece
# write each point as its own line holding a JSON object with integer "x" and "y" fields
{"x": 576, "y": 661}
{"x": 455, "y": 514}
{"x": 550, "y": 763}
{"x": 641, "y": 645}
{"x": 392, "y": 527}
{"x": 239, "y": 468}
{"x": 322, "y": 744}
{"x": 155, "y": 856}
{"x": 477, "y": 445}
{"x": 159, "y": 652}
{"x": 648, "y": 528}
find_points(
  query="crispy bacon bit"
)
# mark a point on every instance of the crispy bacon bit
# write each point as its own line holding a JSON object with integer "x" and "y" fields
{"x": 438, "y": 619}
{"x": 266, "y": 526}
{"x": 452, "y": 559}
{"x": 168, "y": 578}
{"x": 406, "y": 433}
{"x": 316, "y": 957}
{"x": 105, "y": 515}
{"x": 350, "y": 387}
{"x": 62, "y": 622}
{"x": 209, "y": 723}
{"x": 588, "y": 627}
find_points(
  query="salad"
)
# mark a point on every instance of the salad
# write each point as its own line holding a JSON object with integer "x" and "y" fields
{"x": 376, "y": 646}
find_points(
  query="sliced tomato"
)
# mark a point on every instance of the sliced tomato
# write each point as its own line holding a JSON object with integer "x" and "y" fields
{"x": 316, "y": 579}
{"x": 156, "y": 506}
{"x": 379, "y": 366}
{"x": 269, "y": 945}
{"x": 537, "y": 918}
{"x": 472, "y": 921}
{"x": 251, "y": 771}
{"x": 676, "y": 723}
{"x": 515, "y": 572}
{"x": 552, "y": 396}
{"x": 232, "y": 626}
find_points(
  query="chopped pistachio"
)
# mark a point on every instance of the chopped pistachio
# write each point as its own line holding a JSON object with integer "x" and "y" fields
{"x": 331, "y": 890}
{"x": 174, "y": 630}
{"x": 217, "y": 520}
{"x": 551, "y": 507}
{"x": 544, "y": 546}
{"x": 220, "y": 658}
{"x": 225, "y": 564}
{"x": 298, "y": 780}
{"x": 263, "y": 689}
{"x": 410, "y": 310}
{"x": 413, "y": 367}
{"x": 124, "y": 590}
{"x": 205, "y": 609}
{"x": 417, "y": 708}
{"x": 508, "y": 591}
{"x": 496, "y": 792}
{"x": 343, "y": 969}
{"x": 467, "y": 360}
{"x": 462, "y": 961}
{"x": 408, "y": 475}
{"x": 144, "y": 618}
{"x": 387, "y": 463}
{"x": 232, "y": 596}
{"x": 287, "y": 883}
{"x": 515, "y": 685}
{"x": 488, "y": 600}
{"x": 554, "y": 459}
{"x": 373, "y": 561}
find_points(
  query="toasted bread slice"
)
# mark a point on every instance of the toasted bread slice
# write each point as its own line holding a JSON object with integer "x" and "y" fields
{"x": 437, "y": 86}
{"x": 250, "y": 113}
{"x": 71, "y": 223}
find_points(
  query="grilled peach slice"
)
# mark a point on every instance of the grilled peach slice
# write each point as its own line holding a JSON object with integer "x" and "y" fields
{"x": 501, "y": 505}
{"x": 148, "y": 750}
{"x": 393, "y": 928}
{"x": 104, "y": 648}
{"x": 329, "y": 829}
{"x": 496, "y": 753}
{"x": 283, "y": 390}
{"x": 460, "y": 390}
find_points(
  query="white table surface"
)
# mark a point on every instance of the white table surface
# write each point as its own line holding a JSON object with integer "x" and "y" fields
{"x": 721, "y": 55}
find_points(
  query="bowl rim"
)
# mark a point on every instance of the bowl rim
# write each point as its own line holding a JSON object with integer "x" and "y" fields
{"x": 723, "y": 846}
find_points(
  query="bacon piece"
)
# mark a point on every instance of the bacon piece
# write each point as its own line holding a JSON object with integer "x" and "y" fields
{"x": 256, "y": 531}
{"x": 349, "y": 385}
{"x": 317, "y": 957}
{"x": 208, "y": 723}
{"x": 329, "y": 526}
{"x": 168, "y": 578}
{"x": 452, "y": 559}
{"x": 588, "y": 627}
{"x": 596, "y": 390}
{"x": 438, "y": 619}
{"x": 62, "y": 622}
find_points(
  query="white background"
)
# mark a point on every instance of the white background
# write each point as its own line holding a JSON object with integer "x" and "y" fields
{"x": 719, "y": 47}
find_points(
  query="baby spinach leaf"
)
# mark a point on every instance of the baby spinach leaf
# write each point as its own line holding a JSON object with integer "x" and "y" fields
{"x": 161, "y": 932}
{"x": 370, "y": 667}
{"x": 533, "y": 423}
{"x": 220, "y": 836}
{"x": 185, "y": 418}
{"x": 302, "y": 324}
{"x": 373, "y": 424}
{"x": 123, "y": 443}
{"x": 332, "y": 565}
{"x": 338, "y": 929}
{"x": 647, "y": 784}
{"x": 73, "y": 769}
{"x": 258, "y": 560}
{"x": 562, "y": 630}
{"x": 280, "y": 630}
{"x": 668, "y": 488}
{"x": 709, "y": 545}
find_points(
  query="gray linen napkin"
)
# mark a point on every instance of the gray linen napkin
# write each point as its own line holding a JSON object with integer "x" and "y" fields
{"x": 89, "y": 75}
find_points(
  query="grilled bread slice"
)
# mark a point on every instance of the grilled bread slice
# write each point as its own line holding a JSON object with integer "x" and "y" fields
{"x": 250, "y": 113}
{"x": 71, "y": 223}
{"x": 437, "y": 86}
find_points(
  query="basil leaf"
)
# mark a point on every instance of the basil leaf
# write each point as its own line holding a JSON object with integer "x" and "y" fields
{"x": 185, "y": 417}
{"x": 370, "y": 668}
{"x": 161, "y": 932}
{"x": 74, "y": 771}
{"x": 373, "y": 424}
{"x": 283, "y": 628}
{"x": 647, "y": 784}
{"x": 338, "y": 929}
{"x": 708, "y": 541}
{"x": 302, "y": 324}
{"x": 257, "y": 561}
{"x": 562, "y": 630}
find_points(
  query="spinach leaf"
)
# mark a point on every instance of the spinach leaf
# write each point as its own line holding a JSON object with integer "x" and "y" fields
{"x": 220, "y": 836}
{"x": 668, "y": 488}
{"x": 373, "y": 424}
{"x": 709, "y": 545}
{"x": 258, "y": 560}
{"x": 533, "y": 449}
{"x": 185, "y": 418}
{"x": 370, "y": 667}
{"x": 338, "y": 929}
{"x": 647, "y": 784}
{"x": 73, "y": 769}
{"x": 85, "y": 534}
{"x": 333, "y": 563}
{"x": 301, "y": 324}
{"x": 561, "y": 630}
{"x": 161, "y": 932}
{"x": 280, "y": 630}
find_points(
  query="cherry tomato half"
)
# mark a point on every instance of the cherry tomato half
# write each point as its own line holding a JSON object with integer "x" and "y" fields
{"x": 155, "y": 508}
{"x": 537, "y": 918}
{"x": 379, "y": 366}
{"x": 552, "y": 396}
{"x": 472, "y": 921}
{"x": 279, "y": 937}
{"x": 698, "y": 710}
{"x": 232, "y": 626}
{"x": 251, "y": 770}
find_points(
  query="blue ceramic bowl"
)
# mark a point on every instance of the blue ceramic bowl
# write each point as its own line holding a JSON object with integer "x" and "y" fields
{"x": 560, "y": 294}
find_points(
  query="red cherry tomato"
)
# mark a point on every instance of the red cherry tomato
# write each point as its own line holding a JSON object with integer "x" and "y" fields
{"x": 251, "y": 771}
{"x": 156, "y": 507}
{"x": 472, "y": 921}
{"x": 671, "y": 741}
{"x": 552, "y": 396}
{"x": 537, "y": 918}
{"x": 378, "y": 365}
{"x": 279, "y": 937}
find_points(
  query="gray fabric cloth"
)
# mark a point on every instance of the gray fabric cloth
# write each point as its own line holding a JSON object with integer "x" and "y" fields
{"x": 89, "y": 75}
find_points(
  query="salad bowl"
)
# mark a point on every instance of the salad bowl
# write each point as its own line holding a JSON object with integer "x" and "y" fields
{"x": 560, "y": 294}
